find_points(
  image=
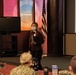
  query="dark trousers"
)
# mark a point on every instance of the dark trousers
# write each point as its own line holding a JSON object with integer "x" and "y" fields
{"x": 37, "y": 54}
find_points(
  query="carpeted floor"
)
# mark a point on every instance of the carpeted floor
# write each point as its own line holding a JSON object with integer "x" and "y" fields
{"x": 62, "y": 62}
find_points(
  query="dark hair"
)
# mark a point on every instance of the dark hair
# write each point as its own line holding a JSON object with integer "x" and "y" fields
{"x": 73, "y": 64}
{"x": 35, "y": 24}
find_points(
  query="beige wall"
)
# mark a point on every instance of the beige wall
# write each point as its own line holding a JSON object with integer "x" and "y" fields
{"x": 70, "y": 35}
{"x": 70, "y": 44}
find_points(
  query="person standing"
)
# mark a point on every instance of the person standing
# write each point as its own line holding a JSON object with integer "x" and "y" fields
{"x": 36, "y": 41}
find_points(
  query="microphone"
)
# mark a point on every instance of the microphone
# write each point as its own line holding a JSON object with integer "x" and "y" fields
{"x": 34, "y": 33}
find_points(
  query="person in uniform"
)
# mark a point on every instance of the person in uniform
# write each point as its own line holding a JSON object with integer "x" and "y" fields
{"x": 72, "y": 67}
{"x": 24, "y": 68}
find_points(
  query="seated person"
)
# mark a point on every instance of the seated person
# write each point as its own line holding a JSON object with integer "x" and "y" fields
{"x": 24, "y": 68}
{"x": 72, "y": 67}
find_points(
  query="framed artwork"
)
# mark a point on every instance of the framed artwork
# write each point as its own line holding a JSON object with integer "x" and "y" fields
{"x": 26, "y": 8}
{"x": 10, "y": 8}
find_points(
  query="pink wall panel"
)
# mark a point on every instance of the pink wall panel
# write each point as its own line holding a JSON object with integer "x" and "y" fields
{"x": 38, "y": 19}
{"x": 10, "y": 8}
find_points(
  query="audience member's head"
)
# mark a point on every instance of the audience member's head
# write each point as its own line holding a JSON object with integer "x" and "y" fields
{"x": 24, "y": 68}
{"x": 72, "y": 68}
{"x": 25, "y": 58}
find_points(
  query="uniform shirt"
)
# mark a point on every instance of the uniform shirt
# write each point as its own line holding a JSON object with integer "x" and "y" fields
{"x": 23, "y": 70}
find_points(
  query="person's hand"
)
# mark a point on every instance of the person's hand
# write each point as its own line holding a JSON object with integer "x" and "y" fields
{"x": 33, "y": 43}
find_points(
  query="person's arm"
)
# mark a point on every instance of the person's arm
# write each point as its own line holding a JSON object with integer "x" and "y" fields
{"x": 12, "y": 72}
{"x": 34, "y": 72}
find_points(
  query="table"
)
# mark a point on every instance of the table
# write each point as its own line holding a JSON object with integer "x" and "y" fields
{"x": 8, "y": 67}
{"x": 6, "y": 70}
{"x": 41, "y": 72}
